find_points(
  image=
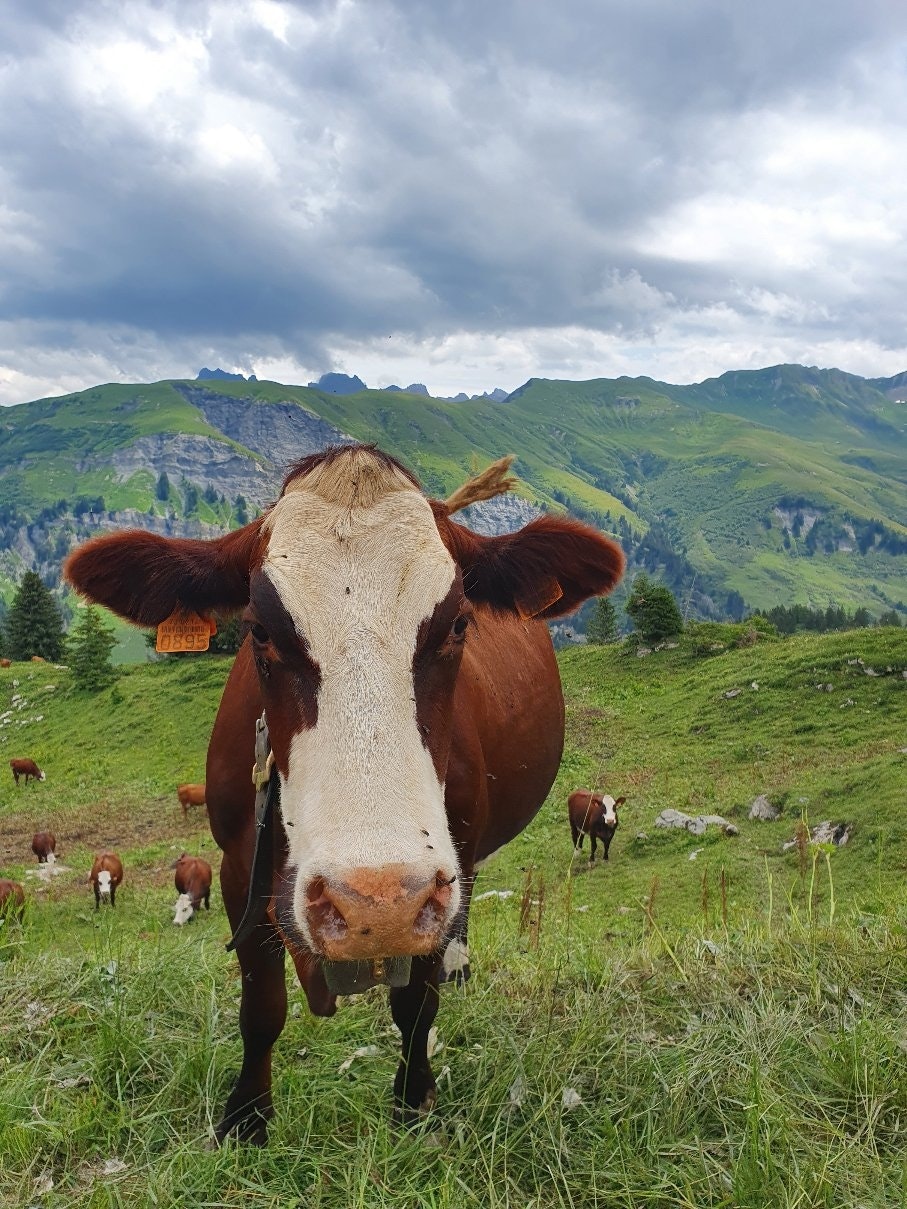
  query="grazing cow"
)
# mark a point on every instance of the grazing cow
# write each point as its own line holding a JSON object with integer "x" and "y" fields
{"x": 44, "y": 846}
{"x": 12, "y": 899}
{"x": 6, "y": 663}
{"x": 193, "y": 884}
{"x": 595, "y": 815}
{"x": 414, "y": 714}
{"x": 106, "y": 874}
{"x": 190, "y": 795}
{"x": 26, "y": 768}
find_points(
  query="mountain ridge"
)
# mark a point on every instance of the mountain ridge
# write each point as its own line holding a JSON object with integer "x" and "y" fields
{"x": 708, "y": 485}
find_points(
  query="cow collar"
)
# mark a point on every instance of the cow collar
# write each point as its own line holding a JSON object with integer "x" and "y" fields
{"x": 267, "y": 797}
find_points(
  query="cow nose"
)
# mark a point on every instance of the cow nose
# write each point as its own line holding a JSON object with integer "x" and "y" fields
{"x": 389, "y": 912}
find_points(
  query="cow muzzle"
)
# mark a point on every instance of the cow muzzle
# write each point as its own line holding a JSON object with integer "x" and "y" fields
{"x": 371, "y": 913}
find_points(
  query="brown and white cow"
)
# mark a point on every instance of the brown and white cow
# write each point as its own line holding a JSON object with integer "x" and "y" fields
{"x": 27, "y": 769}
{"x": 193, "y": 884}
{"x": 190, "y": 795}
{"x": 12, "y": 899}
{"x": 415, "y": 714}
{"x": 595, "y": 815}
{"x": 44, "y": 846}
{"x": 106, "y": 874}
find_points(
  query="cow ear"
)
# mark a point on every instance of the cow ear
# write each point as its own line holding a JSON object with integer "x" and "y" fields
{"x": 619, "y": 801}
{"x": 145, "y": 578}
{"x": 546, "y": 569}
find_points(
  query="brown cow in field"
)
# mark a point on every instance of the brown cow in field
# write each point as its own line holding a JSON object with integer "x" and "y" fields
{"x": 12, "y": 899}
{"x": 26, "y": 768}
{"x": 595, "y": 815}
{"x": 193, "y": 884}
{"x": 190, "y": 795}
{"x": 106, "y": 874}
{"x": 6, "y": 663}
{"x": 415, "y": 718}
{"x": 44, "y": 846}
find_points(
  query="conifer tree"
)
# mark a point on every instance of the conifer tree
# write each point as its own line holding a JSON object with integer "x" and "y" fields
{"x": 654, "y": 610}
{"x": 90, "y": 644}
{"x": 34, "y": 625}
{"x": 602, "y": 627}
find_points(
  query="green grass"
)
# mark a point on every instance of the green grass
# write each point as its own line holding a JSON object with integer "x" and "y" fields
{"x": 742, "y": 1047}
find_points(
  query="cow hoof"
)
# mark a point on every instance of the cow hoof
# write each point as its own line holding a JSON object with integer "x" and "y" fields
{"x": 407, "y": 1116}
{"x": 251, "y": 1130}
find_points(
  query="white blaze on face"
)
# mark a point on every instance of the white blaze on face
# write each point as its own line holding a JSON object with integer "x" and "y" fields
{"x": 183, "y": 911}
{"x": 362, "y": 791}
{"x": 610, "y": 808}
{"x": 104, "y": 883}
{"x": 51, "y": 858}
{"x": 42, "y": 776}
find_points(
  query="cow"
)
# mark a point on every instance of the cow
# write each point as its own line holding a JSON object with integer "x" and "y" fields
{"x": 193, "y": 884}
{"x": 6, "y": 663}
{"x": 26, "y": 768}
{"x": 595, "y": 815}
{"x": 12, "y": 899}
{"x": 405, "y": 672}
{"x": 190, "y": 795}
{"x": 106, "y": 874}
{"x": 44, "y": 845}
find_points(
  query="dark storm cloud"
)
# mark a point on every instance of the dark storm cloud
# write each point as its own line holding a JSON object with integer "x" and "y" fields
{"x": 269, "y": 177}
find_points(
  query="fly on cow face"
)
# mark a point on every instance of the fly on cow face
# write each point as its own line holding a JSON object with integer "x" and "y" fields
{"x": 358, "y": 601}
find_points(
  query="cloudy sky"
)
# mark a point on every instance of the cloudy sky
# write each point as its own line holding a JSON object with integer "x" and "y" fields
{"x": 466, "y": 193}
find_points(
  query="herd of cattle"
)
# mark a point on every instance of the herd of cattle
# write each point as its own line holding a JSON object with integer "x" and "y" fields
{"x": 192, "y": 874}
{"x": 592, "y": 814}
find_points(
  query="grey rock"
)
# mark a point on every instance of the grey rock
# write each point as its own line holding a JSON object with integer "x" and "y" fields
{"x": 762, "y": 809}
{"x": 695, "y": 824}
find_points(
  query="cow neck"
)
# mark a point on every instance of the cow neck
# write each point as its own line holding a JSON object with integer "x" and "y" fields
{"x": 267, "y": 799}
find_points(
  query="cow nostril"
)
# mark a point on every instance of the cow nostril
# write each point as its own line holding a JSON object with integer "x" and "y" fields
{"x": 315, "y": 890}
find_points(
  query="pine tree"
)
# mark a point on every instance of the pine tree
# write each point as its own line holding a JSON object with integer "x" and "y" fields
{"x": 162, "y": 491}
{"x": 602, "y": 627}
{"x": 654, "y": 610}
{"x": 90, "y": 644}
{"x": 34, "y": 625}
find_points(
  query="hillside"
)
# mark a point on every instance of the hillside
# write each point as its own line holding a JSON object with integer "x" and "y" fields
{"x": 776, "y": 486}
{"x": 703, "y": 1022}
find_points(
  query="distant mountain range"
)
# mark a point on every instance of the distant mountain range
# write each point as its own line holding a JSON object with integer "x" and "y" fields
{"x": 776, "y": 486}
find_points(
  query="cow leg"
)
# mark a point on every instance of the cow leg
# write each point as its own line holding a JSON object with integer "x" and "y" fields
{"x": 208, "y": 900}
{"x": 606, "y": 844}
{"x": 97, "y": 897}
{"x": 592, "y": 847}
{"x": 414, "y": 1008}
{"x": 262, "y": 1014}
{"x": 577, "y": 836}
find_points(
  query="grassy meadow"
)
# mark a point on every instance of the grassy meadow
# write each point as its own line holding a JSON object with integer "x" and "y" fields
{"x": 701, "y": 1022}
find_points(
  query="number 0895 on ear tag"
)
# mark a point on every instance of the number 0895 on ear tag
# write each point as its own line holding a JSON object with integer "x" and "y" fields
{"x": 184, "y": 632}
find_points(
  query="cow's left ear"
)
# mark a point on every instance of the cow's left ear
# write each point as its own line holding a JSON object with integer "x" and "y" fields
{"x": 619, "y": 801}
{"x": 545, "y": 570}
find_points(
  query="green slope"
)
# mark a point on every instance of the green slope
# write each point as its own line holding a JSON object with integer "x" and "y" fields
{"x": 709, "y": 464}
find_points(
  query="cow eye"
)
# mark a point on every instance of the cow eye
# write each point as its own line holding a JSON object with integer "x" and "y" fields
{"x": 460, "y": 626}
{"x": 259, "y": 633}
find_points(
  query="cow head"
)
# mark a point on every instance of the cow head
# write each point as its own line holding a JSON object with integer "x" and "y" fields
{"x": 358, "y": 594}
{"x": 104, "y": 883}
{"x": 609, "y": 809}
{"x": 183, "y": 911}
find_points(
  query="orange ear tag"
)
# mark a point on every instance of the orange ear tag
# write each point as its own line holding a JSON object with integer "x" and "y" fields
{"x": 184, "y": 632}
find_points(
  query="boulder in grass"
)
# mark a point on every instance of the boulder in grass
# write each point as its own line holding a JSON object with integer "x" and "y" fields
{"x": 762, "y": 809}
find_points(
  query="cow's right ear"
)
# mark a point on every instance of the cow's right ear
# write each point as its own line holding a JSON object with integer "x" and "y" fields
{"x": 146, "y": 578}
